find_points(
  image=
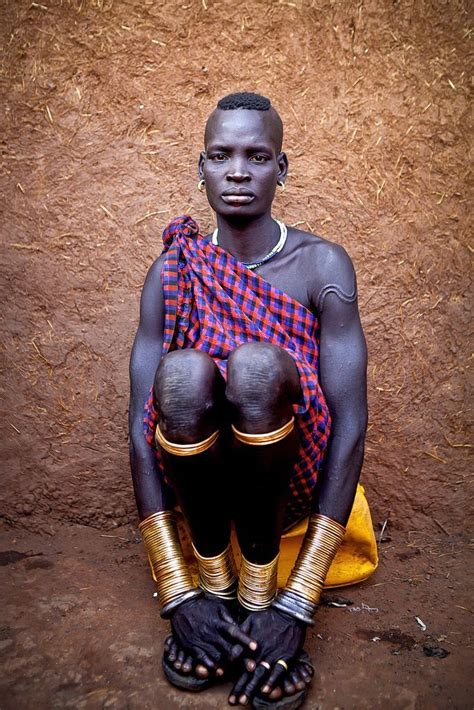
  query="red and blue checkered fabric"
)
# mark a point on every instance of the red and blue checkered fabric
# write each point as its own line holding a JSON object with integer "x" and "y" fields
{"x": 213, "y": 303}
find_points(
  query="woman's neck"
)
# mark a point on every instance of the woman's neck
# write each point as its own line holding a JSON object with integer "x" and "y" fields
{"x": 250, "y": 240}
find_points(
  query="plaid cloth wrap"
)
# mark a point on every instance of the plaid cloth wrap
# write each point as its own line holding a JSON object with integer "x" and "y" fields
{"x": 213, "y": 303}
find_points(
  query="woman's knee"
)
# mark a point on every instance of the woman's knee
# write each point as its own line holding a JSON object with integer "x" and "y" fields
{"x": 187, "y": 389}
{"x": 261, "y": 379}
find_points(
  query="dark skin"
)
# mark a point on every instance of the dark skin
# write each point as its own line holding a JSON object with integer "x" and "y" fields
{"x": 241, "y": 165}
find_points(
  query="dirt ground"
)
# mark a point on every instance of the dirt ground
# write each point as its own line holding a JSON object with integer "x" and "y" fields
{"x": 103, "y": 110}
{"x": 81, "y": 628}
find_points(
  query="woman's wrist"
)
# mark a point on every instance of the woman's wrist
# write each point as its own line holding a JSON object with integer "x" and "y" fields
{"x": 159, "y": 533}
{"x": 302, "y": 592}
{"x": 295, "y": 606}
{"x": 168, "y": 609}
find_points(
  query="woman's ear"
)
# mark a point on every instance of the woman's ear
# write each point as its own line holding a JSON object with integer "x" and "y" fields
{"x": 282, "y": 161}
{"x": 202, "y": 158}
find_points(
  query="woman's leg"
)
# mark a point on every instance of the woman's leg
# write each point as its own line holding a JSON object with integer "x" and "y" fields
{"x": 189, "y": 398}
{"x": 262, "y": 385}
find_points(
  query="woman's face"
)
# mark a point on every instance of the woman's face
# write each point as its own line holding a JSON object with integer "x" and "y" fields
{"x": 242, "y": 162}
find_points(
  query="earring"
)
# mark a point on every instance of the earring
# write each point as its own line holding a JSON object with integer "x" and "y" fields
{"x": 281, "y": 184}
{"x": 201, "y": 184}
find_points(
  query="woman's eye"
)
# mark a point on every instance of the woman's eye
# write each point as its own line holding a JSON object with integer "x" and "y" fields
{"x": 219, "y": 156}
{"x": 258, "y": 158}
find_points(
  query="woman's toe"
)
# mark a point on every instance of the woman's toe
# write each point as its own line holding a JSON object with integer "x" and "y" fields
{"x": 201, "y": 671}
{"x": 289, "y": 688}
{"x": 187, "y": 665}
{"x": 276, "y": 694}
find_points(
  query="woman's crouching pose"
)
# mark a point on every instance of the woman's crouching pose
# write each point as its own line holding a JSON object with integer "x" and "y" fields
{"x": 250, "y": 365}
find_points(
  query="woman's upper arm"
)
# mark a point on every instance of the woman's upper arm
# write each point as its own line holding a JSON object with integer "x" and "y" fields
{"x": 147, "y": 346}
{"x": 343, "y": 351}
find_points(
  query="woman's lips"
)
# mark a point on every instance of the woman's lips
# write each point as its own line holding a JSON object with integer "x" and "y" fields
{"x": 235, "y": 199}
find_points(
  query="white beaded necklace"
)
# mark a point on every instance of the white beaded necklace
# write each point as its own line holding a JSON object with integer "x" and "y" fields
{"x": 277, "y": 248}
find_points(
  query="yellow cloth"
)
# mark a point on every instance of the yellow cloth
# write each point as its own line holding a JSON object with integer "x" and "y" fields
{"x": 356, "y": 559}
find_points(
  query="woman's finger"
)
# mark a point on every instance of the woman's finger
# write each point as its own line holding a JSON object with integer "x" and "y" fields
{"x": 254, "y": 682}
{"x": 206, "y": 660}
{"x": 308, "y": 668}
{"x": 303, "y": 661}
{"x": 236, "y": 634}
{"x": 226, "y": 616}
{"x": 235, "y": 652}
{"x": 245, "y": 625}
{"x": 305, "y": 675}
{"x": 226, "y": 647}
{"x": 250, "y": 664}
{"x": 239, "y": 685}
{"x": 277, "y": 672}
{"x": 297, "y": 679}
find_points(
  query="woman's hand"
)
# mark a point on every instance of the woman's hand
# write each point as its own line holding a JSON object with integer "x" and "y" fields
{"x": 205, "y": 631}
{"x": 279, "y": 638}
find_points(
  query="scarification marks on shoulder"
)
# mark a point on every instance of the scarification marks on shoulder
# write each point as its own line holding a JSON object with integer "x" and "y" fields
{"x": 339, "y": 292}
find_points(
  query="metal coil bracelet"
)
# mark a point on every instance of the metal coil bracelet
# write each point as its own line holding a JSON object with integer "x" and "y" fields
{"x": 174, "y": 582}
{"x": 303, "y": 589}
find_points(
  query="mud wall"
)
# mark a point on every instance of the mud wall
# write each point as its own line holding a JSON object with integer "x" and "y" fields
{"x": 104, "y": 104}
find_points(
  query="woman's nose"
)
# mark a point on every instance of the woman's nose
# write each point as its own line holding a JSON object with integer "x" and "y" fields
{"x": 238, "y": 170}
